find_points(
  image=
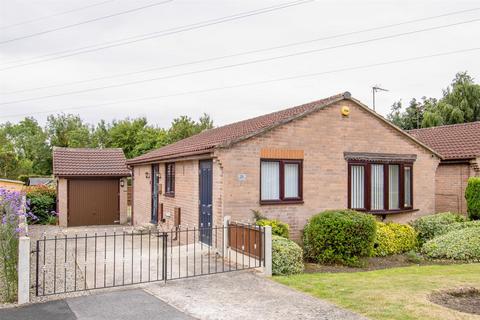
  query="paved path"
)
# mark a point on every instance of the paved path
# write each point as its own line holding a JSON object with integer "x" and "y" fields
{"x": 244, "y": 295}
{"x": 118, "y": 305}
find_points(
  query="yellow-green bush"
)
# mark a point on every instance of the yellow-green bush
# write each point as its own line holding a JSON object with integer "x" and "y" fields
{"x": 278, "y": 228}
{"x": 393, "y": 238}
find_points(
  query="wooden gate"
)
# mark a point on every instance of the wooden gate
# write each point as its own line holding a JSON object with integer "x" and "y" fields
{"x": 246, "y": 239}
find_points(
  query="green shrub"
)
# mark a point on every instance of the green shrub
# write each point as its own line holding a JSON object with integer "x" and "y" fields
{"x": 393, "y": 238}
{"x": 472, "y": 195}
{"x": 42, "y": 202}
{"x": 458, "y": 226}
{"x": 461, "y": 244}
{"x": 428, "y": 227}
{"x": 287, "y": 256}
{"x": 278, "y": 228}
{"x": 339, "y": 236}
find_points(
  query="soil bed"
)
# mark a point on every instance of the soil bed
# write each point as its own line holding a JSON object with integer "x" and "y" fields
{"x": 461, "y": 299}
{"x": 375, "y": 263}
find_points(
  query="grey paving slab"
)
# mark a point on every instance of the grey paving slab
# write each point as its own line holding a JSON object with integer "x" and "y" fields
{"x": 244, "y": 295}
{"x": 123, "y": 305}
{"x": 53, "y": 310}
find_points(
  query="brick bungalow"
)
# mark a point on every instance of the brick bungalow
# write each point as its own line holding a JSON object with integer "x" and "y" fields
{"x": 459, "y": 145}
{"x": 289, "y": 165}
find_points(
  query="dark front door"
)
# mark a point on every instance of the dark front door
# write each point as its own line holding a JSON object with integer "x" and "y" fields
{"x": 154, "y": 193}
{"x": 205, "y": 192}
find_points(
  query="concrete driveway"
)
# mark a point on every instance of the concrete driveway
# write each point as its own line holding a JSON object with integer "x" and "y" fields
{"x": 133, "y": 304}
{"x": 244, "y": 295}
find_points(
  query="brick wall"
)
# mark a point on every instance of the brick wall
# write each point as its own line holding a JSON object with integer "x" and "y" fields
{"x": 142, "y": 193}
{"x": 62, "y": 206}
{"x": 123, "y": 201}
{"x": 450, "y": 183}
{"x": 323, "y": 136}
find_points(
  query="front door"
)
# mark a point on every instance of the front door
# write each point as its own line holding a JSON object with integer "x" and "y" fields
{"x": 154, "y": 193}
{"x": 205, "y": 193}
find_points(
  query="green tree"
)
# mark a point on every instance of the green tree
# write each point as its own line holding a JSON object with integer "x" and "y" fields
{"x": 68, "y": 130}
{"x": 460, "y": 103}
{"x": 184, "y": 127}
{"x": 29, "y": 145}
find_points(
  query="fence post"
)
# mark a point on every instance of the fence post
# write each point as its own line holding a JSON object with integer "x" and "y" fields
{"x": 23, "y": 270}
{"x": 226, "y": 221}
{"x": 268, "y": 251}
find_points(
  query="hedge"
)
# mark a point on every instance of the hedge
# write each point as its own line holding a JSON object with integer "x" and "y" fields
{"x": 339, "y": 236}
{"x": 287, "y": 256}
{"x": 278, "y": 228}
{"x": 472, "y": 195}
{"x": 461, "y": 244}
{"x": 393, "y": 238}
{"x": 430, "y": 226}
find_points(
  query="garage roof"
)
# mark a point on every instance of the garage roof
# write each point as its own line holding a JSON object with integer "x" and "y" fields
{"x": 456, "y": 141}
{"x": 89, "y": 162}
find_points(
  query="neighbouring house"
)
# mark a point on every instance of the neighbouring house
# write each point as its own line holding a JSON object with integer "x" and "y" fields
{"x": 91, "y": 186}
{"x": 459, "y": 145}
{"x": 289, "y": 165}
{"x": 40, "y": 181}
{"x": 13, "y": 185}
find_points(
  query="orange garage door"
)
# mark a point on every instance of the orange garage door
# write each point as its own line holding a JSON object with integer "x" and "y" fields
{"x": 93, "y": 202}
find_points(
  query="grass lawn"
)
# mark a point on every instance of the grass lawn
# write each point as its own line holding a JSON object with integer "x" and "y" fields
{"x": 397, "y": 293}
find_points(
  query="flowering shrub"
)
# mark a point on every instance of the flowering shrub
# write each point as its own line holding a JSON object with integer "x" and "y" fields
{"x": 42, "y": 201}
{"x": 12, "y": 211}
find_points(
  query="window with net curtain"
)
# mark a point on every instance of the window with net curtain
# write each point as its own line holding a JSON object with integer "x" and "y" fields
{"x": 380, "y": 186}
{"x": 280, "y": 180}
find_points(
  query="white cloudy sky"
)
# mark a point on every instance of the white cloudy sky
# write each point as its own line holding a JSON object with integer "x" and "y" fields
{"x": 311, "y": 20}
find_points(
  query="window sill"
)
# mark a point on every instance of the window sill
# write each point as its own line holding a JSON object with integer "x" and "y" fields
{"x": 170, "y": 195}
{"x": 280, "y": 202}
{"x": 385, "y": 212}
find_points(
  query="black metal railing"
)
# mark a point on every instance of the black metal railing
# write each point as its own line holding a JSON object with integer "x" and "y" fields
{"x": 66, "y": 263}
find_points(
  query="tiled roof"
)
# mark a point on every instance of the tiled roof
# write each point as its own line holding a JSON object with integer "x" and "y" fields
{"x": 456, "y": 141}
{"x": 89, "y": 162}
{"x": 209, "y": 139}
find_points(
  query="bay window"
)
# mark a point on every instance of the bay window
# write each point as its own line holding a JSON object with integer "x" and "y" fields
{"x": 280, "y": 181}
{"x": 380, "y": 186}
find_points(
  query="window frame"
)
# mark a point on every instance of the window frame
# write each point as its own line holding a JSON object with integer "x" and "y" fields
{"x": 281, "y": 167}
{"x": 368, "y": 180}
{"x": 170, "y": 179}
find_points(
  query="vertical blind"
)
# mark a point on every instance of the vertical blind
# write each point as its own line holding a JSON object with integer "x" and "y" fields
{"x": 357, "y": 184}
{"x": 408, "y": 186}
{"x": 393, "y": 186}
{"x": 291, "y": 180}
{"x": 270, "y": 180}
{"x": 377, "y": 187}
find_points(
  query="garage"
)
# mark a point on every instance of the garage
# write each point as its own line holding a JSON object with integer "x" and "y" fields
{"x": 91, "y": 186}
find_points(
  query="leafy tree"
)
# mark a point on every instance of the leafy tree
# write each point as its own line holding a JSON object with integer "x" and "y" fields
{"x": 68, "y": 130}
{"x": 460, "y": 103}
{"x": 29, "y": 143}
{"x": 184, "y": 127}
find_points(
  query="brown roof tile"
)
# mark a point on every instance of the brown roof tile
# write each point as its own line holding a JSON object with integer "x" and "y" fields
{"x": 89, "y": 162}
{"x": 457, "y": 141}
{"x": 209, "y": 139}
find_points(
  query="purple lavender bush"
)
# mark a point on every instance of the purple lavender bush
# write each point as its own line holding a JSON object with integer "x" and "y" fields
{"x": 13, "y": 210}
